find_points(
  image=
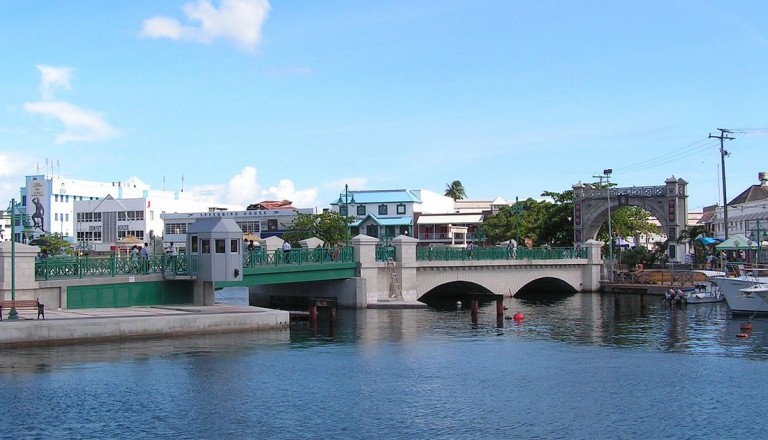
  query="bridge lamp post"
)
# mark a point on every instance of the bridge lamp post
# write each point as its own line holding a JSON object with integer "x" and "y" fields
{"x": 13, "y": 314}
{"x": 517, "y": 211}
{"x": 346, "y": 201}
{"x": 761, "y": 240}
{"x": 607, "y": 173}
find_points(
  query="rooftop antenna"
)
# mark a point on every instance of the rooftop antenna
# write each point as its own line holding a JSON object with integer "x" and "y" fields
{"x": 163, "y": 183}
{"x": 182, "y": 183}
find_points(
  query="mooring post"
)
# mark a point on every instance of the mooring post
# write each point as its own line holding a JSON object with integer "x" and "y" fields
{"x": 313, "y": 312}
{"x": 500, "y": 311}
{"x": 473, "y": 311}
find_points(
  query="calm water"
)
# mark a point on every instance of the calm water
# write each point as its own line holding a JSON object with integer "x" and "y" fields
{"x": 584, "y": 366}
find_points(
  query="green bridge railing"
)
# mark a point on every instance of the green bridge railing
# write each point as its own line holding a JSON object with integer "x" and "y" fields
{"x": 498, "y": 253}
{"x": 299, "y": 256}
{"x": 112, "y": 265}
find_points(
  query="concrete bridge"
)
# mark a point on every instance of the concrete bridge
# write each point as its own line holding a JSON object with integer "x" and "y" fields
{"x": 369, "y": 279}
{"x": 408, "y": 279}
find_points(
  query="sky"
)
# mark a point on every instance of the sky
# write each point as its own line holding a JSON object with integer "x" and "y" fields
{"x": 240, "y": 101}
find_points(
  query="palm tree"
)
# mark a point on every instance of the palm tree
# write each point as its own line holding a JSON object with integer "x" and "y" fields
{"x": 455, "y": 190}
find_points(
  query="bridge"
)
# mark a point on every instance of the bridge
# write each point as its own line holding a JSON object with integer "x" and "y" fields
{"x": 361, "y": 276}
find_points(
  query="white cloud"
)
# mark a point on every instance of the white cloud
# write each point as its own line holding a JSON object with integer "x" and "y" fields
{"x": 54, "y": 78}
{"x": 236, "y": 20}
{"x": 81, "y": 124}
{"x": 245, "y": 189}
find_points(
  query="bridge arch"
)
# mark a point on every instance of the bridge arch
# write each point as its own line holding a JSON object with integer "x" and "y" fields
{"x": 506, "y": 281}
{"x": 668, "y": 203}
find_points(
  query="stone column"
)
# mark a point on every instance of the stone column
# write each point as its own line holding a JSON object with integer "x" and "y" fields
{"x": 405, "y": 256}
{"x": 591, "y": 271}
{"x": 24, "y": 271}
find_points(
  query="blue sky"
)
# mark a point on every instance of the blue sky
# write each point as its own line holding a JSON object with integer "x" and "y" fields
{"x": 252, "y": 101}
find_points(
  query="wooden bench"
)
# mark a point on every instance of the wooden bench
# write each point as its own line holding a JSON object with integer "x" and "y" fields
{"x": 27, "y": 304}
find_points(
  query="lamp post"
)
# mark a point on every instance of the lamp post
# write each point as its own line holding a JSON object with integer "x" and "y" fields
{"x": 754, "y": 234}
{"x": 517, "y": 211}
{"x": 346, "y": 201}
{"x": 13, "y": 314}
{"x": 607, "y": 173}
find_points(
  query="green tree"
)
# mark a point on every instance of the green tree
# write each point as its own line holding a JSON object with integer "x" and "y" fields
{"x": 54, "y": 244}
{"x": 455, "y": 190}
{"x": 544, "y": 222}
{"x": 699, "y": 249}
{"x": 328, "y": 226}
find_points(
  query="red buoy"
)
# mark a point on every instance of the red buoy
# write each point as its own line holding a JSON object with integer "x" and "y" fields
{"x": 746, "y": 326}
{"x": 518, "y": 316}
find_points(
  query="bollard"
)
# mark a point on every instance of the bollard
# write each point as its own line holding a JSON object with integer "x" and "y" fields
{"x": 473, "y": 311}
{"x": 500, "y": 312}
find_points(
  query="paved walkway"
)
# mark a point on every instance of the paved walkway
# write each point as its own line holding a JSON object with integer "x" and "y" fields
{"x": 85, "y": 325}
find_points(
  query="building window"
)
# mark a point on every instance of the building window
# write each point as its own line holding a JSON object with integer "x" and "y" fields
{"x": 382, "y": 209}
{"x": 343, "y": 210}
{"x": 400, "y": 209}
{"x": 372, "y": 231}
{"x": 206, "y": 246}
{"x": 66, "y": 217}
{"x": 56, "y": 216}
{"x": 361, "y": 210}
{"x": 233, "y": 246}
{"x": 195, "y": 244}
{"x": 220, "y": 246}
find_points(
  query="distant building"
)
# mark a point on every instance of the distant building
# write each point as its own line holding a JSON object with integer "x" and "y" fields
{"x": 747, "y": 213}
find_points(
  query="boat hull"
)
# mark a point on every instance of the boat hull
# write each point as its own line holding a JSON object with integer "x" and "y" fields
{"x": 742, "y": 302}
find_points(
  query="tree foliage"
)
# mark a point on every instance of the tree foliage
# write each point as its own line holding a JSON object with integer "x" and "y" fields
{"x": 328, "y": 226}
{"x": 543, "y": 222}
{"x": 54, "y": 244}
{"x": 455, "y": 190}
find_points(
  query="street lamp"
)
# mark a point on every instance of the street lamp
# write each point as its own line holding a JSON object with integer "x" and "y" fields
{"x": 346, "y": 201}
{"x": 13, "y": 314}
{"x": 607, "y": 173}
{"x": 755, "y": 235}
{"x": 517, "y": 211}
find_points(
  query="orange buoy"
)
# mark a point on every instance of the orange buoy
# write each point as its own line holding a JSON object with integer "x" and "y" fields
{"x": 518, "y": 316}
{"x": 746, "y": 326}
{"x": 742, "y": 335}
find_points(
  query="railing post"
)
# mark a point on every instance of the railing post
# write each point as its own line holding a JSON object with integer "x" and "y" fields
{"x": 113, "y": 264}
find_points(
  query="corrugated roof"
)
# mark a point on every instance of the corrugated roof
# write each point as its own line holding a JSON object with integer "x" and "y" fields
{"x": 387, "y": 221}
{"x": 751, "y": 194}
{"x": 461, "y": 219}
{"x": 380, "y": 196}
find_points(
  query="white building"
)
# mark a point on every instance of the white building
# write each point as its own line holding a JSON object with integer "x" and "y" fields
{"x": 261, "y": 223}
{"x": 747, "y": 213}
{"x": 101, "y": 224}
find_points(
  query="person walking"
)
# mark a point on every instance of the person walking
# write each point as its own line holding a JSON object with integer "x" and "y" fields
{"x": 144, "y": 257}
{"x": 287, "y": 251}
{"x": 134, "y": 259}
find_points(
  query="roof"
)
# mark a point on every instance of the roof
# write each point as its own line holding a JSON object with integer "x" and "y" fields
{"x": 386, "y": 221}
{"x": 380, "y": 196}
{"x": 751, "y": 194}
{"x": 445, "y": 219}
{"x": 270, "y": 204}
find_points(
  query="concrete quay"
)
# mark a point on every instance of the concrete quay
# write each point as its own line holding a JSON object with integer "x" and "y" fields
{"x": 76, "y": 326}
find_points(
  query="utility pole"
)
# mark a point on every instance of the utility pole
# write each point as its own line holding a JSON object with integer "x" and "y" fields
{"x": 723, "y": 153}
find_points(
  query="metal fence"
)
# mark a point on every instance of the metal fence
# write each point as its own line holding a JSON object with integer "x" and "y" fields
{"x": 112, "y": 265}
{"x": 300, "y": 256}
{"x": 498, "y": 253}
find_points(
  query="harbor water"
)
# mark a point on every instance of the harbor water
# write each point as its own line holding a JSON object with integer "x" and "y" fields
{"x": 581, "y": 366}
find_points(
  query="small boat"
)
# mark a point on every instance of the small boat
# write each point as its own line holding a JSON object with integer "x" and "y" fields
{"x": 703, "y": 292}
{"x": 759, "y": 289}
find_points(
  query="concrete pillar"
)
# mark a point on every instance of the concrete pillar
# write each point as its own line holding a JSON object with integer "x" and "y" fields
{"x": 24, "y": 270}
{"x": 204, "y": 293}
{"x": 591, "y": 271}
{"x": 405, "y": 256}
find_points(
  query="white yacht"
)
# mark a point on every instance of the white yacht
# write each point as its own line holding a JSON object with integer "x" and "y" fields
{"x": 744, "y": 288}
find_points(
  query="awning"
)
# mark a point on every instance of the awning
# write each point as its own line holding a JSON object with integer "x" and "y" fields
{"x": 736, "y": 242}
{"x": 463, "y": 219}
{"x": 706, "y": 241}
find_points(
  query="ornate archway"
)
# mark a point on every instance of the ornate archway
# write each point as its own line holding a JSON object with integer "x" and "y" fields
{"x": 668, "y": 203}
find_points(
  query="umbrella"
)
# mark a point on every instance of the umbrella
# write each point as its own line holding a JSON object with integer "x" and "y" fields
{"x": 130, "y": 239}
{"x": 250, "y": 236}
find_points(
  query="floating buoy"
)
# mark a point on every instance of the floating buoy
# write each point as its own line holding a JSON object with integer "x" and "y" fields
{"x": 746, "y": 326}
{"x": 518, "y": 316}
{"x": 742, "y": 335}
{"x": 458, "y": 304}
